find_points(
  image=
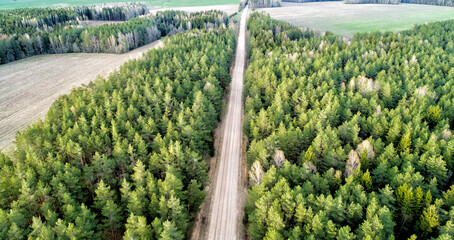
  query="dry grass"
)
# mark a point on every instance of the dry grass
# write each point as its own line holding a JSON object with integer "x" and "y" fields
{"x": 28, "y": 87}
{"x": 347, "y": 19}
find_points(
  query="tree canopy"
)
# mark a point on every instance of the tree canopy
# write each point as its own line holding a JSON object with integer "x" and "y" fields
{"x": 364, "y": 127}
{"x": 123, "y": 156}
{"x": 53, "y": 31}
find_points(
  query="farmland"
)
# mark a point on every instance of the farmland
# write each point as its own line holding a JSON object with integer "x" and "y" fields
{"x": 347, "y": 19}
{"x": 28, "y": 87}
{"x": 10, "y": 4}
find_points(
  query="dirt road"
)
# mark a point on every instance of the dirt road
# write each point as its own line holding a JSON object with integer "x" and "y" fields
{"x": 225, "y": 207}
{"x": 28, "y": 87}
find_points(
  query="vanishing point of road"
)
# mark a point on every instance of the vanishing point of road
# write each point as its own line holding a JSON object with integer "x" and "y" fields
{"x": 225, "y": 209}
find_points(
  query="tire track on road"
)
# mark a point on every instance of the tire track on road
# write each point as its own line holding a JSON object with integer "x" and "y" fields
{"x": 225, "y": 207}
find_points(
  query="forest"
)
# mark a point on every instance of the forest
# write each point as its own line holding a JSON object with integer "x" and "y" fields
{"x": 123, "y": 157}
{"x": 53, "y": 31}
{"x": 303, "y": 1}
{"x": 32, "y": 20}
{"x": 265, "y": 3}
{"x": 349, "y": 140}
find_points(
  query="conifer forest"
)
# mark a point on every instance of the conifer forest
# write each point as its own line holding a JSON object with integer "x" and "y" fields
{"x": 331, "y": 137}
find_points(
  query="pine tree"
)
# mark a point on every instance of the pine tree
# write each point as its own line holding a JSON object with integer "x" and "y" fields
{"x": 429, "y": 219}
{"x": 433, "y": 115}
{"x": 275, "y": 220}
{"x": 137, "y": 228}
{"x": 125, "y": 191}
{"x": 404, "y": 197}
{"x": 171, "y": 232}
{"x": 138, "y": 202}
{"x": 366, "y": 181}
{"x": 449, "y": 196}
{"x": 103, "y": 194}
{"x": 86, "y": 221}
{"x": 405, "y": 142}
{"x": 345, "y": 233}
{"x": 417, "y": 201}
{"x": 331, "y": 230}
{"x": 273, "y": 235}
{"x": 309, "y": 156}
{"x": 40, "y": 230}
{"x": 195, "y": 194}
{"x": 112, "y": 217}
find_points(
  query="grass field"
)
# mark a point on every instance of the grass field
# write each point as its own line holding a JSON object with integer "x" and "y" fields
{"x": 12, "y": 4}
{"x": 347, "y": 19}
{"x": 28, "y": 87}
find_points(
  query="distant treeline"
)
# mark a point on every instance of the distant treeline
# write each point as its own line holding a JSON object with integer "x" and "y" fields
{"x": 372, "y": 1}
{"x": 448, "y": 3}
{"x": 31, "y": 20}
{"x": 115, "y": 38}
{"x": 112, "y": 12}
{"x": 265, "y": 3}
{"x": 303, "y": 1}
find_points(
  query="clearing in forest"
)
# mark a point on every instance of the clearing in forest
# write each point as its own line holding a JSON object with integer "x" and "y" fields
{"x": 28, "y": 87}
{"x": 348, "y": 19}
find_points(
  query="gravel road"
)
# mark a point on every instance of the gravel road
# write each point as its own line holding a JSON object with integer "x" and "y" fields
{"x": 224, "y": 211}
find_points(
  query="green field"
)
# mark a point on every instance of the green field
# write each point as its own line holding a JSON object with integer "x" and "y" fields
{"x": 348, "y": 19}
{"x": 13, "y": 4}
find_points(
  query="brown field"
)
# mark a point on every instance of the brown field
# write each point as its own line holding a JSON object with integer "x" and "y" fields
{"x": 28, "y": 87}
{"x": 229, "y": 9}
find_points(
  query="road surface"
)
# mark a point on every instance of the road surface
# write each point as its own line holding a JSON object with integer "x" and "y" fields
{"x": 224, "y": 211}
{"x": 28, "y": 87}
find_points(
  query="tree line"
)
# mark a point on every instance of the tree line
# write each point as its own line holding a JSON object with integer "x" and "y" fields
{"x": 449, "y": 3}
{"x": 111, "y": 11}
{"x": 349, "y": 140}
{"x": 271, "y": 3}
{"x": 122, "y": 157}
{"x": 32, "y": 20}
{"x": 265, "y": 3}
{"x": 304, "y": 1}
{"x": 112, "y": 38}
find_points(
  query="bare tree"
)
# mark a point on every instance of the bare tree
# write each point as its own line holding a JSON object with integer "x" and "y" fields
{"x": 353, "y": 162}
{"x": 279, "y": 158}
{"x": 256, "y": 173}
{"x": 366, "y": 146}
{"x": 310, "y": 167}
{"x": 446, "y": 134}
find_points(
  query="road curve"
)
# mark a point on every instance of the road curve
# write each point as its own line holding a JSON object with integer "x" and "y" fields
{"x": 224, "y": 211}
